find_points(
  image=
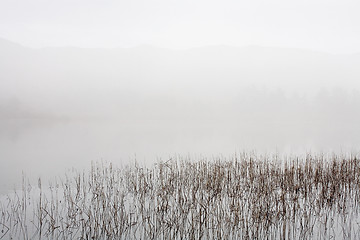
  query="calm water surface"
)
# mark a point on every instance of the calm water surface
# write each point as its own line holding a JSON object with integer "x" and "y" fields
{"x": 42, "y": 148}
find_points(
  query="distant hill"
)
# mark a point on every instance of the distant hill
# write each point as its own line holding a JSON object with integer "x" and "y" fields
{"x": 220, "y": 94}
{"x": 70, "y": 79}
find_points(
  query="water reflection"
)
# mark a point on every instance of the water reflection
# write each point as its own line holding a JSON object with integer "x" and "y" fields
{"x": 48, "y": 148}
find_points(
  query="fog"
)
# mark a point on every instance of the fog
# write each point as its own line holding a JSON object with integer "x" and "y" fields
{"x": 63, "y": 107}
{"x": 326, "y": 25}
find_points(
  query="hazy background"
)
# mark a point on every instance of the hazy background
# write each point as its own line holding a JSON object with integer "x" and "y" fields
{"x": 84, "y": 81}
{"x": 326, "y": 25}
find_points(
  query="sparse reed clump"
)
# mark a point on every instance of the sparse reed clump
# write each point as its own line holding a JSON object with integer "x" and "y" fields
{"x": 245, "y": 197}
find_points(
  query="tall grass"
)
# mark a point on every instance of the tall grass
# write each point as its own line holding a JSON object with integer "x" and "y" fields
{"x": 245, "y": 197}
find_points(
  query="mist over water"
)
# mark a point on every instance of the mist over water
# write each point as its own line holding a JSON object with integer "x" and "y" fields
{"x": 65, "y": 107}
{"x": 179, "y": 119}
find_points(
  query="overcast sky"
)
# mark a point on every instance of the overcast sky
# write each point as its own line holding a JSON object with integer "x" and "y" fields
{"x": 325, "y": 25}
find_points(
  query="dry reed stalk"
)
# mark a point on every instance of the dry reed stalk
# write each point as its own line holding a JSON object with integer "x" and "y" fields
{"x": 245, "y": 197}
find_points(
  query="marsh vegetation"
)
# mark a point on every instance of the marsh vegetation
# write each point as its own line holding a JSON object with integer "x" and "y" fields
{"x": 243, "y": 197}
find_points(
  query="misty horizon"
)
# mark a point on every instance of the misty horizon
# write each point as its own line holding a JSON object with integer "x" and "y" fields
{"x": 90, "y": 80}
{"x": 149, "y": 45}
{"x": 62, "y": 107}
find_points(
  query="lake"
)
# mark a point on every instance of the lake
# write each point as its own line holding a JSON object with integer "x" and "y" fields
{"x": 46, "y": 148}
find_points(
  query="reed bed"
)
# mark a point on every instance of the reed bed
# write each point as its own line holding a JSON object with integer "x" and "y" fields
{"x": 243, "y": 197}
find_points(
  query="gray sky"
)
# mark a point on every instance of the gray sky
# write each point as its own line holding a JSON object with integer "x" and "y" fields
{"x": 325, "y": 25}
